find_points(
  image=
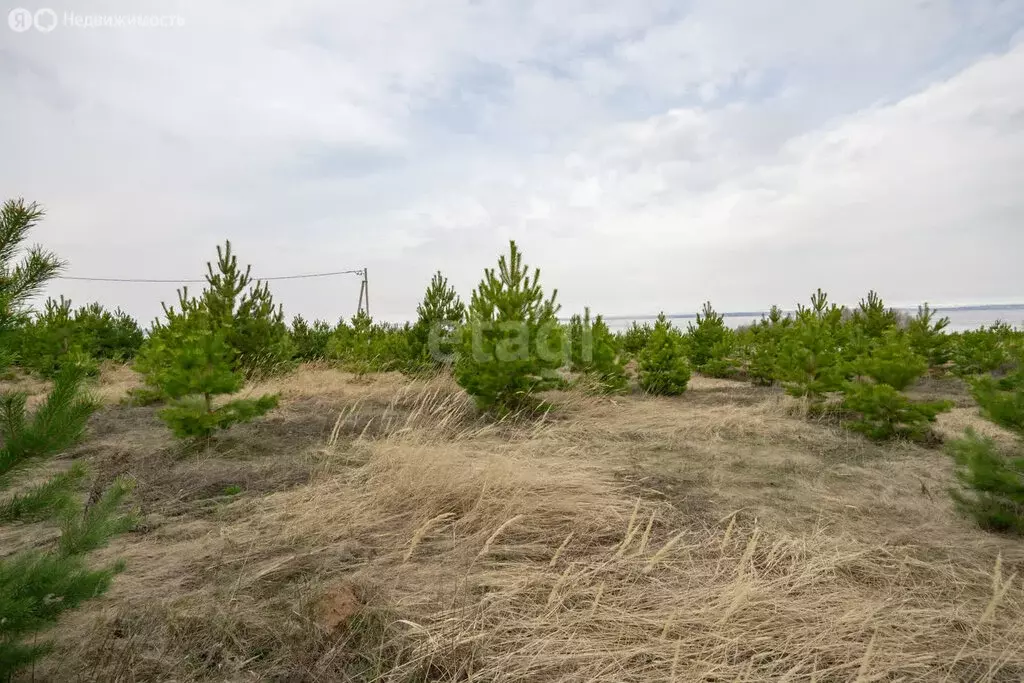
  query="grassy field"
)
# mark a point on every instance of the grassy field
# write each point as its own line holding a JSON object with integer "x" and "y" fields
{"x": 376, "y": 529}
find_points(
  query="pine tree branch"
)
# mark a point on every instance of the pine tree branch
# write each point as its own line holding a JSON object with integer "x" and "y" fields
{"x": 56, "y": 496}
{"x": 100, "y": 521}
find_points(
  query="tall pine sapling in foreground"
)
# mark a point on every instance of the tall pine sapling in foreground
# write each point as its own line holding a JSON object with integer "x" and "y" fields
{"x": 434, "y": 335}
{"x": 189, "y": 360}
{"x": 928, "y": 337}
{"x": 511, "y": 345}
{"x": 593, "y": 352}
{"x": 662, "y": 367}
{"x": 992, "y": 481}
{"x": 37, "y": 585}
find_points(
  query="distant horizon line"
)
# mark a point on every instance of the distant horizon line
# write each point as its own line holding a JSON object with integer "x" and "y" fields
{"x": 748, "y": 314}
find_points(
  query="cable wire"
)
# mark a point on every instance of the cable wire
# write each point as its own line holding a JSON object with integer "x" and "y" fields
{"x": 184, "y": 281}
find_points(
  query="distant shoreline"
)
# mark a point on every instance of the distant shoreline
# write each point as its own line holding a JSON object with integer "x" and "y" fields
{"x": 753, "y": 314}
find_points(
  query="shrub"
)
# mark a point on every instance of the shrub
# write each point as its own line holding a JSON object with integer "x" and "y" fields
{"x": 511, "y": 345}
{"x": 810, "y": 361}
{"x": 634, "y": 338}
{"x": 710, "y": 344}
{"x": 189, "y": 360}
{"x": 433, "y": 337}
{"x": 663, "y": 368}
{"x": 928, "y": 337}
{"x": 883, "y": 412}
{"x": 309, "y": 342}
{"x": 592, "y": 352}
{"x": 37, "y": 585}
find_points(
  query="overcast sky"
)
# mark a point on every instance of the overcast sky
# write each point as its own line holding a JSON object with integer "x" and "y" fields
{"x": 645, "y": 154}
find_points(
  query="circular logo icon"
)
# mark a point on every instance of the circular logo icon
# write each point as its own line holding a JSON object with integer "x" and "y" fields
{"x": 19, "y": 19}
{"x": 46, "y": 20}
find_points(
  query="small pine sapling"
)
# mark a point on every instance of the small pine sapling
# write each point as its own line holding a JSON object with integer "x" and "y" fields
{"x": 875, "y": 397}
{"x": 873, "y": 317}
{"x": 663, "y": 368}
{"x": 883, "y": 412}
{"x": 975, "y": 352}
{"x": 309, "y": 341}
{"x": 434, "y": 336}
{"x": 928, "y": 336}
{"x": 892, "y": 360}
{"x": 762, "y": 350}
{"x": 810, "y": 362}
{"x": 710, "y": 344}
{"x": 244, "y": 310}
{"x": 593, "y": 353}
{"x": 190, "y": 361}
{"x": 511, "y": 345}
{"x": 634, "y": 338}
{"x": 991, "y": 483}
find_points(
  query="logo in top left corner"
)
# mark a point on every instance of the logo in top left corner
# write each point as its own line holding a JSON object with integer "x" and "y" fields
{"x": 21, "y": 20}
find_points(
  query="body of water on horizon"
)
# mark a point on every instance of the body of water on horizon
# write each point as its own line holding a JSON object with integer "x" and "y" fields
{"x": 960, "y": 319}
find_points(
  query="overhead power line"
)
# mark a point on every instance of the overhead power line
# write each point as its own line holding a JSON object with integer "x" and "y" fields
{"x": 364, "y": 288}
{"x": 183, "y": 281}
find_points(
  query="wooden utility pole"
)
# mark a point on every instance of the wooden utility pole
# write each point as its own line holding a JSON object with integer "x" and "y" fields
{"x": 364, "y": 293}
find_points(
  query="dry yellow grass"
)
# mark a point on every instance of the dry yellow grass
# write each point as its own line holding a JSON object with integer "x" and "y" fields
{"x": 386, "y": 534}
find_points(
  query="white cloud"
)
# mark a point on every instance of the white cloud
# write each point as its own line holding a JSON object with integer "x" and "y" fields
{"x": 646, "y": 155}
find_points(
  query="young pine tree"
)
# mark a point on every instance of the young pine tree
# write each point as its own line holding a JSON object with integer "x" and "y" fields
{"x": 762, "y": 350}
{"x": 873, "y": 317}
{"x": 810, "y": 361}
{"x": 593, "y": 352}
{"x": 992, "y": 482}
{"x": 875, "y": 397}
{"x": 710, "y": 344}
{"x": 928, "y": 337}
{"x": 976, "y": 352}
{"x": 189, "y": 360}
{"x": 37, "y": 585}
{"x": 634, "y": 338}
{"x": 434, "y": 336}
{"x": 53, "y": 340}
{"x": 309, "y": 341}
{"x": 663, "y": 368}
{"x": 244, "y": 309}
{"x": 511, "y": 344}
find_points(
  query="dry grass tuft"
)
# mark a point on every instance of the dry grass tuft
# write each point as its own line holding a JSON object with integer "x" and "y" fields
{"x": 711, "y": 537}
